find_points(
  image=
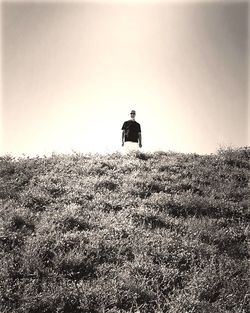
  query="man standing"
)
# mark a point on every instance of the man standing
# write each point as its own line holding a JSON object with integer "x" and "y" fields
{"x": 131, "y": 133}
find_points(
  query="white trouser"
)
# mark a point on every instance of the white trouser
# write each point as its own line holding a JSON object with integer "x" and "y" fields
{"x": 130, "y": 146}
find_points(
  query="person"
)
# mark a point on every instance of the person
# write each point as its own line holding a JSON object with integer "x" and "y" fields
{"x": 131, "y": 134}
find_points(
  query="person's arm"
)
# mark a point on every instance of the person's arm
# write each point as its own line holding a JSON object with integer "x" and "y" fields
{"x": 123, "y": 132}
{"x": 123, "y": 137}
{"x": 140, "y": 142}
{"x": 139, "y": 135}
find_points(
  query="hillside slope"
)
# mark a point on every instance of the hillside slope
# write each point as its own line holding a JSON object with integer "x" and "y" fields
{"x": 161, "y": 232}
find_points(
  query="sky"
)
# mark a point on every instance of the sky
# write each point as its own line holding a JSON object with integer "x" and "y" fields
{"x": 71, "y": 72}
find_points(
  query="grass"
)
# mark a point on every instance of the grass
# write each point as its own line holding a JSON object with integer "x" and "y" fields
{"x": 159, "y": 232}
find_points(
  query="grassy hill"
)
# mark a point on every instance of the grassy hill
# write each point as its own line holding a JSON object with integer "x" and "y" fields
{"x": 160, "y": 232}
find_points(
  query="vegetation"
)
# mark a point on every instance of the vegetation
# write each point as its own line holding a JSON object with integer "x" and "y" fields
{"x": 160, "y": 232}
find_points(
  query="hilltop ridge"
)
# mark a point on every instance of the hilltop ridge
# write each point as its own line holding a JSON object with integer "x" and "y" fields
{"x": 144, "y": 232}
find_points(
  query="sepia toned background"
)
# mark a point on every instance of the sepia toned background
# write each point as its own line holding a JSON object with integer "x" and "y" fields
{"x": 72, "y": 71}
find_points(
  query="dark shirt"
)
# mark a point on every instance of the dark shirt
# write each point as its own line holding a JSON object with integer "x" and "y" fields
{"x": 132, "y": 130}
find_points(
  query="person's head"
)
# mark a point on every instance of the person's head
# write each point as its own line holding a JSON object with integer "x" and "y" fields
{"x": 132, "y": 114}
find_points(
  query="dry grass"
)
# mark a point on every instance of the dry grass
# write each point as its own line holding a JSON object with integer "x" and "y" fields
{"x": 161, "y": 232}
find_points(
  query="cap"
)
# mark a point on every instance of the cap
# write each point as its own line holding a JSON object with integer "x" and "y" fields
{"x": 132, "y": 112}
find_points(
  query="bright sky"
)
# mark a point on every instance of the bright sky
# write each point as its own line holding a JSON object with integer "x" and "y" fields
{"x": 72, "y": 71}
